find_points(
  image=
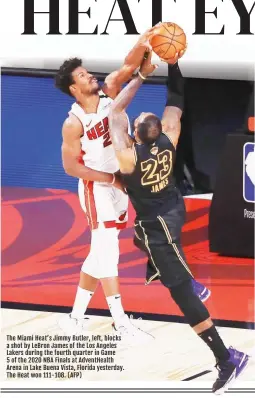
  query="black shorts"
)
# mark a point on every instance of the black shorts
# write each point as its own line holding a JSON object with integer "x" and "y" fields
{"x": 160, "y": 238}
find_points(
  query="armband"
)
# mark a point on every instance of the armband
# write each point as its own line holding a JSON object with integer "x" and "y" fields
{"x": 113, "y": 179}
{"x": 175, "y": 87}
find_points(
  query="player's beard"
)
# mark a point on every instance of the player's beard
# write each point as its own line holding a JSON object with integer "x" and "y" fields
{"x": 95, "y": 90}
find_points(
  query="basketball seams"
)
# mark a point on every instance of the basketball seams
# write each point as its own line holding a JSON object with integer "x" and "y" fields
{"x": 171, "y": 40}
{"x": 179, "y": 34}
{"x": 176, "y": 41}
{"x": 173, "y": 34}
{"x": 166, "y": 50}
{"x": 167, "y": 37}
{"x": 161, "y": 44}
{"x": 164, "y": 26}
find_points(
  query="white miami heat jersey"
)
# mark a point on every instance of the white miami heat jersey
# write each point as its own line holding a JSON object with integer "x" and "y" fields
{"x": 98, "y": 151}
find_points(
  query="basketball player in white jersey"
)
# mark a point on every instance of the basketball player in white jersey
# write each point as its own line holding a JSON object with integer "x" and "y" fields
{"x": 88, "y": 154}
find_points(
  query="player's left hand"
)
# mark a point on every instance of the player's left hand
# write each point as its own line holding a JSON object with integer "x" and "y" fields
{"x": 147, "y": 67}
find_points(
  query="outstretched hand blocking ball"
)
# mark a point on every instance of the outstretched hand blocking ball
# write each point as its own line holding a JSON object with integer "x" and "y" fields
{"x": 169, "y": 39}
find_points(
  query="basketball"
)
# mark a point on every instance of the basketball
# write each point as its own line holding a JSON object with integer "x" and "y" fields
{"x": 169, "y": 40}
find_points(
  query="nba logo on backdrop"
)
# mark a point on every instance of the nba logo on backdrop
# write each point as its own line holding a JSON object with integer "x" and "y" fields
{"x": 249, "y": 172}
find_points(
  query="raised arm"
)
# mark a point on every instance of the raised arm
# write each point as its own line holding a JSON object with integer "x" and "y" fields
{"x": 71, "y": 152}
{"x": 171, "y": 120}
{"x": 118, "y": 124}
{"x": 118, "y": 121}
{"x": 114, "y": 81}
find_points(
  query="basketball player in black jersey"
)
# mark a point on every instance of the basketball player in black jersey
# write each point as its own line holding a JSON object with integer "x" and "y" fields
{"x": 146, "y": 164}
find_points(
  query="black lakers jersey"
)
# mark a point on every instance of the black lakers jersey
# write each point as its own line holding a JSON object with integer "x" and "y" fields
{"x": 151, "y": 185}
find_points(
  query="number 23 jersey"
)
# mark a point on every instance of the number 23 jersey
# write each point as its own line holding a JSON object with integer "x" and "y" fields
{"x": 151, "y": 185}
{"x": 97, "y": 149}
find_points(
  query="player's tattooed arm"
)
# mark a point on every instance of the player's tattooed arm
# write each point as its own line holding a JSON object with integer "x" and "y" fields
{"x": 114, "y": 81}
{"x": 171, "y": 121}
{"x": 118, "y": 126}
{"x": 71, "y": 153}
{"x": 118, "y": 121}
{"x": 126, "y": 96}
{"x": 122, "y": 142}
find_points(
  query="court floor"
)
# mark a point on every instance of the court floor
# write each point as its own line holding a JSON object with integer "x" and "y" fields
{"x": 176, "y": 353}
{"x": 45, "y": 239}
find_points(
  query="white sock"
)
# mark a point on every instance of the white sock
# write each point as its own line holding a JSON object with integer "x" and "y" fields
{"x": 81, "y": 302}
{"x": 116, "y": 309}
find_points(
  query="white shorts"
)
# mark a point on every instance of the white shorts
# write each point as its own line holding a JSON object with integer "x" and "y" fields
{"x": 103, "y": 204}
{"x": 106, "y": 208}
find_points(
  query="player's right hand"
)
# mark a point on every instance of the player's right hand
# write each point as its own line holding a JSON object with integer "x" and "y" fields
{"x": 144, "y": 39}
{"x": 177, "y": 56}
{"x": 118, "y": 183}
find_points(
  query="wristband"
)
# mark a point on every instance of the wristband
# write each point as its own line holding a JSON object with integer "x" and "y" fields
{"x": 141, "y": 76}
{"x": 113, "y": 179}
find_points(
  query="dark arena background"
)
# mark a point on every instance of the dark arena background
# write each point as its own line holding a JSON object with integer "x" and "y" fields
{"x": 45, "y": 236}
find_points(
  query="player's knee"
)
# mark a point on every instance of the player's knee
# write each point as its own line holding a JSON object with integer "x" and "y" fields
{"x": 189, "y": 303}
{"x": 108, "y": 254}
{"x": 103, "y": 259}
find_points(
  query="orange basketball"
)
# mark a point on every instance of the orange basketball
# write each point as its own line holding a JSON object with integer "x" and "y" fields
{"x": 168, "y": 40}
